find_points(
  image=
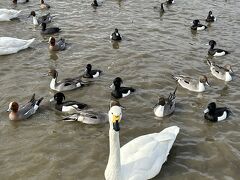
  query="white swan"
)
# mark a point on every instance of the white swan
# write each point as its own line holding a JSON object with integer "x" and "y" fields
{"x": 9, "y": 45}
{"x": 141, "y": 158}
{"x": 8, "y": 14}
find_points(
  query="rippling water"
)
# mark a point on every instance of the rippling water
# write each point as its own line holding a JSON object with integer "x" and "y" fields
{"x": 152, "y": 49}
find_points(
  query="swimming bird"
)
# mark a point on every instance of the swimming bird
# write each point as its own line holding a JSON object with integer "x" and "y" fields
{"x": 8, "y": 14}
{"x": 224, "y": 73}
{"x": 120, "y": 92}
{"x": 50, "y": 30}
{"x": 141, "y": 158}
{"x": 96, "y": 3}
{"x": 9, "y": 45}
{"x": 25, "y": 111}
{"x": 165, "y": 107}
{"x": 214, "y": 114}
{"x": 197, "y": 26}
{"x": 42, "y": 19}
{"x": 65, "y": 84}
{"x": 67, "y": 106}
{"x": 89, "y": 73}
{"x": 116, "y": 36}
{"x": 170, "y": 2}
{"x": 44, "y": 5}
{"x": 214, "y": 51}
{"x": 20, "y": 1}
{"x": 54, "y": 45}
{"x": 190, "y": 84}
{"x": 210, "y": 17}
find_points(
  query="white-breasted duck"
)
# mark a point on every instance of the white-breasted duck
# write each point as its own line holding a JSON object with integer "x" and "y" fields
{"x": 221, "y": 72}
{"x": 214, "y": 114}
{"x": 42, "y": 19}
{"x": 89, "y": 73}
{"x": 210, "y": 17}
{"x": 165, "y": 107}
{"x": 192, "y": 85}
{"x": 25, "y": 111}
{"x": 58, "y": 45}
{"x": 65, "y": 84}
{"x": 215, "y": 51}
{"x": 116, "y": 36}
{"x": 120, "y": 92}
{"x": 197, "y": 26}
{"x": 44, "y": 5}
{"x": 51, "y": 30}
{"x": 67, "y": 106}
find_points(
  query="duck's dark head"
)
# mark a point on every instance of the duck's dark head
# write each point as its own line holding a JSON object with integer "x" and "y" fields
{"x": 88, "y": 68}
{"x": 59, "y": 97}
{"x": 196, "y": 22}
{"x": 210, "y": 13}
{"x": 117, "y": 82}
{"x": 211, "y": 107}
{"x": 212, "y": 43}
{"x": 32, "y": 13}
{"x": 13, "y": 107}
{"x": 44, "y": 26}
{"x": 14, "y": 1}
{"x": 52, "y": 41}
{"x": 161, "y": 101}
{"x": 53, "y": 73}
{"x": 116, "y": 30}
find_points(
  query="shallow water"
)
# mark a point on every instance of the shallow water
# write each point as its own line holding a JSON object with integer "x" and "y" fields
{"x": 153, "y": 48}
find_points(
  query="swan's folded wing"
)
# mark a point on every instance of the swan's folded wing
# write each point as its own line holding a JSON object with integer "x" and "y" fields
{"x": 142, "y": 158}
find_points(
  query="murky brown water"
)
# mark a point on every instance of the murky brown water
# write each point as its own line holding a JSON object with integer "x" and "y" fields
{"x": 152, "y": 49}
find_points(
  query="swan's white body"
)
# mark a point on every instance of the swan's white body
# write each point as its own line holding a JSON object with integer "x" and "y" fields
{"x": 8, "y": 14}
{"x": 9, "y": 45}
{"x": 141, "y": 158}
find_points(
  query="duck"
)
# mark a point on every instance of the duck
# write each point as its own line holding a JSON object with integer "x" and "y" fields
{"x": 67, "y": 106}
{"x": 170, "y": 2}
{"x": 44, "y": 5}
{"x": 65, "y": 84}
{"x": 42, "y": 19}
{"x": 214, "y": 51}
{"x": 115, "y": 36}
{"x": 96, "y": 3}
{"x": 20, "y": 1}
{"x": 221, "y": 72}
{"x": 190, "y": 84}
{"x": 54, "y": 45}
{"x": 10, "y": 45}
{"x": 120, "y": 92}
{"x": 89, "y": 73}
{"x": 141, "y": 158}
{"x": 25, "y": 111}
{"x": 197, "y": 26}
{"x": 51, "y": 30}
{"x": 8, "y": 14}
{"x": 210, "y": 17}
{"x": 214, "y": 114}
{"x": 165, "y": 107}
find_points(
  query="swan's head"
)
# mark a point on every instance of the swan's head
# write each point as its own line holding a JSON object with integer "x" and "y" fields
{"x": 115, "y": 116}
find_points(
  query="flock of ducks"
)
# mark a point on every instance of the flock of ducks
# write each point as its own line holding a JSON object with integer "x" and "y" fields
{"x": 141, "y": 158}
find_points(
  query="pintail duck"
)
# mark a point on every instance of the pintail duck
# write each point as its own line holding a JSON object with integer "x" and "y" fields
{"x": 214, "y": 114}
{"x": 190, "y": 84}
{"x": 44, "y": 5}
{"x": 165, "y": 107}
{"x": 116, "y": 36}
{"x": 9, "y": 45}
{"x": 43, "y": 19}
{"x": 25, "y": 111}
{"x": 8, "y": 14}
{"x": 65, "y": 84}
{"x": 89, "y": 73}
{"x": 210, "y": 17}
{"x": 197, "y": 26}
{"x": 224, "y": 73}
{"x": 214, "y": 51}
{"x": 67, "y": 106}
{"x": 120, "y": 92}
{"x": 54, "y": 45}
{"x": 50, "y": 30}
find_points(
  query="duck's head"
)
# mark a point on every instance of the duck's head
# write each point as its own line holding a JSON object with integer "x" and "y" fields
{"x": 116, "y": 30}
{"x": 44, "y": 25}
{"x": 203, "y": 79}
{"x": 210, "y": 13}
{"x": 116, "y": 82}
{"x": 58, "y": 97}
{"x": 228, "y": 68}
{"x": 88, "y": 68}
{"x": 115, "y": 116}
{"x": 42, "y": 1}
{"x": 196, "y": 22}
{"x": 52, "y": 41}
{"x": 14, "y": 1}
{"x": 211, "y": 107}
{"x": 32, "y": 14}
{"x": 13, "y": 107}
{"x": 53, "y": 73}
{"x": 161, "y": 101}
{"x": 212, "y": 43}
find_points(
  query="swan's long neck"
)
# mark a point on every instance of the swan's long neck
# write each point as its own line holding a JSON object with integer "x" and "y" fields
{"x": 113, "y": 170}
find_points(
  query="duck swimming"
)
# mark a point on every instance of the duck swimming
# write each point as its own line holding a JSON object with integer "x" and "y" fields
{"x": 120, "y": 92}
{"x": 141, "y": 158}
{"x": 165, "y": 107}
{"x": 42, "y": 19}
{"x": 65, "y": 84}
{"x": 8, "y": 14}
{"x": 44, "y": 5}
{"x": 214, "y": 114}
{"x": 116, "y": 36}
{"x": 20, "y": 1}
{"x": 89, "y": 73}
{"x": 25, "y": 111}
{"x": 210, "y": 17}
{"x": 54, "y": 45}
{"x": 96, "y": 3}
{"x": 67, "y": 106}
{"x": 170, "y": 2}
{"x": 9, "y": 45}
{"x": 197, "y": 26}
{"x": 51, "y": 30}
{"x": 214, "y": 51}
